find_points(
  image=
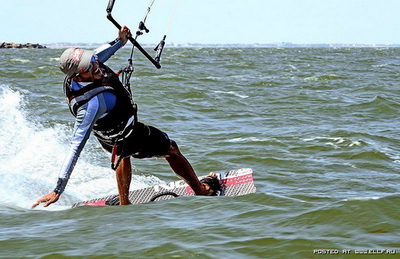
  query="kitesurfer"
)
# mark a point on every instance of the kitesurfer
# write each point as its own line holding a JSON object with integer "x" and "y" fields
{"x": 102, "y": 105}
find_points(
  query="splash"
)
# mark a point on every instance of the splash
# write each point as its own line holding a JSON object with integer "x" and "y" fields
{"x": 31, "y": 155}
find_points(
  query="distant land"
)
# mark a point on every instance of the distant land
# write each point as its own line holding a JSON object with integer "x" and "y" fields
{"x": 4, "y": 44}
{"x": 15, "y": 45}
{"x": 234, "y": 45}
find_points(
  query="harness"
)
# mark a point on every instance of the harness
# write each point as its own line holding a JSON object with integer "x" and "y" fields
{"x": 78, "y": 98}
{"x": 116, "y": 126}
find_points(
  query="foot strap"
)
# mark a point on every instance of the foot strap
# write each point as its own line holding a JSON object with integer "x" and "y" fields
{"x": 214, "y": 184}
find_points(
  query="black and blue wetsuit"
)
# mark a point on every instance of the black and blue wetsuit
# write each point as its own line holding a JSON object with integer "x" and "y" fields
{"x": 110, "y": 114}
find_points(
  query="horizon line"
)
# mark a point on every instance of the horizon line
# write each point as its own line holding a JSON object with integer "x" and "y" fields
{"x": 277, "y": 44}
{"x": 189, "y": 44}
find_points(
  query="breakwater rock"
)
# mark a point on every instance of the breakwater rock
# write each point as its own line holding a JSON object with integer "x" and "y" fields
{"x": 10, "y": 45}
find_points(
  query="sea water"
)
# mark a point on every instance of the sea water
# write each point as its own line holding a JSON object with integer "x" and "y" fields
{"x": 319, "y": 127}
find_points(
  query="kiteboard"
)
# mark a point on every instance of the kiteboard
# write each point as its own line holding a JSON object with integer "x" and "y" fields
{"x": 233, "y": 183}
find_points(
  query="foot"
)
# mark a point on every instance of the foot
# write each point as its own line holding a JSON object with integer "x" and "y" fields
{"x": 211, "y": 184}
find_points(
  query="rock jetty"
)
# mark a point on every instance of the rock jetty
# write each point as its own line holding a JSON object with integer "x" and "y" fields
{"x": 10, "y": 45}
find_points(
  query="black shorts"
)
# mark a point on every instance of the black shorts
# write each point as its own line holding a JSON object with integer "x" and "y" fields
{"x": 144, "y": 141}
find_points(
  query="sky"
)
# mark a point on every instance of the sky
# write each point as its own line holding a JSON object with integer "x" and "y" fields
{"x": 205, "y": 21}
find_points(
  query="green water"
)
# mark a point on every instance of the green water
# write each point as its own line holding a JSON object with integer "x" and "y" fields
{"x": 319, "y": 127}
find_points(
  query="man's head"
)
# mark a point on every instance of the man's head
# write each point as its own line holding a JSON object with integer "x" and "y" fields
{"x": 76, "y": 61}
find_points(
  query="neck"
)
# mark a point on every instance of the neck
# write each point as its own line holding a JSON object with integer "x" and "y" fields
{"x": 84, "y": 79}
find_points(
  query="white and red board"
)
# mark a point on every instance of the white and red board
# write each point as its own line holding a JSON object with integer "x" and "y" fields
{"x": 234, "y": 183}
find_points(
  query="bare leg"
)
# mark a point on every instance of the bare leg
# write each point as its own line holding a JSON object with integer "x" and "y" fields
{"x": 124, "y": 176}
{"x": 183, "y": 169}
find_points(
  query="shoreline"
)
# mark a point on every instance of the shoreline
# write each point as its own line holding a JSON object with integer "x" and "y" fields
{"x": 59, "y": 45}
{"x": 15, "y": 45}
{"x": 232, "y": 45}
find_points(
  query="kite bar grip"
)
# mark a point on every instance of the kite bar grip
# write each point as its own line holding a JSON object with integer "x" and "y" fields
{"x": 110, "y": 6}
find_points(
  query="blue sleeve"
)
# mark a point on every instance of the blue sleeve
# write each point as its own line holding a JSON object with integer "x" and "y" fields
{"x": 105, "y": 51}
{"x": 86, "y": 117}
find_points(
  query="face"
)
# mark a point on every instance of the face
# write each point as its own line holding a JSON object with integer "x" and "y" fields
{"x": 94, "y": 73}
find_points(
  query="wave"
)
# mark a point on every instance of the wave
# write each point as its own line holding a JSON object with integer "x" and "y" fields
{"x": 18, "y": 60}
{"x": 31, "y": 156}
{"x": 232, "y": 93}
{"x": 324, "y": 77}
{"x": 250, "y": 139}
{"x": 379, "y": 104}
{"x": 335, "y": 142}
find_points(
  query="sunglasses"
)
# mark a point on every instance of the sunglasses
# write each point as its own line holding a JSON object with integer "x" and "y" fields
{"x": 94, "y": 59}
{"x": 93, "y": 68}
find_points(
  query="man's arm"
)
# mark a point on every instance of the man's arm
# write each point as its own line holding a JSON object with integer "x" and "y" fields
{"x": 85, "y": 120}
{"x": 105, "y": 51}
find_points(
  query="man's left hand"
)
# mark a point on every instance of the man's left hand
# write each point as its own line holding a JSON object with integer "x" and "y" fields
{"x": 47, "y": 199}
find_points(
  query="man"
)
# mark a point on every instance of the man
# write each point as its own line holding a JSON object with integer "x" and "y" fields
{"x": 101, "y": 104}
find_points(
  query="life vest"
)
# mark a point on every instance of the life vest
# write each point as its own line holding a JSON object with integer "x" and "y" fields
{"x": 113, "y": 125}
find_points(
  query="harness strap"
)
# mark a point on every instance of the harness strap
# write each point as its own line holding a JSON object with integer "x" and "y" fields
{"x": 114, "y": 156}
{"x": 125, "y": 133}
{"x": 76, "y": 101}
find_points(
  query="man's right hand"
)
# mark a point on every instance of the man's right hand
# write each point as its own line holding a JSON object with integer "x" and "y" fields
{"x": 47, "y": 199}
{"x": 124, "y": 34}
